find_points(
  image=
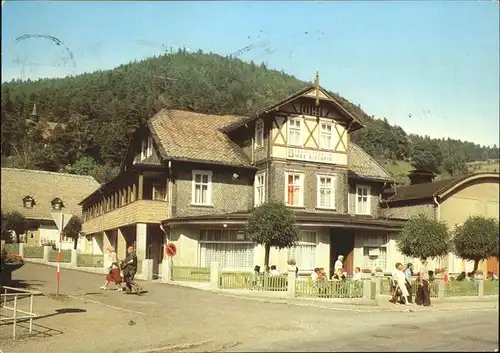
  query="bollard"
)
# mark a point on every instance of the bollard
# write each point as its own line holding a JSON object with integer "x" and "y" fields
{"x": 166, "y": 270}
{"x": 21, "y": 249}
{"x": 367, "y": 288}
{"x": 291, "y": 281}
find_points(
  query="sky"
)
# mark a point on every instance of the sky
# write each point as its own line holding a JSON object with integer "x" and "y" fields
{"x": 431, "y": 67}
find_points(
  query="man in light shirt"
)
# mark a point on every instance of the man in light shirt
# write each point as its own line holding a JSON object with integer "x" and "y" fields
{"x": 423, "y": 283}
{"x": 315, "y": 274}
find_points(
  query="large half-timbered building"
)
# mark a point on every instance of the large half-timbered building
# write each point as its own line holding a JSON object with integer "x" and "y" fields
{"x": 194, "y": 178}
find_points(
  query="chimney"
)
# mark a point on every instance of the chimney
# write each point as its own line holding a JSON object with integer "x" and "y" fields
{"x": 421, "y": 176}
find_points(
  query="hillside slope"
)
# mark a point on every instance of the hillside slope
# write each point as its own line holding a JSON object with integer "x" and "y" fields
{"x": 101, "y": 109}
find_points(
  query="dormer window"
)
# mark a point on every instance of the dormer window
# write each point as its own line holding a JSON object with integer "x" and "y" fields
{"x": 57, "y": 204}
{"x": 28, "y": 202}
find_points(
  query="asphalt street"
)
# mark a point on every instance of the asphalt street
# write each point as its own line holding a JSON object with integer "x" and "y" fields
{"x": 171, "y": 318}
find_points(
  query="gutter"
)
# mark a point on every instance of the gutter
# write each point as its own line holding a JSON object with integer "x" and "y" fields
{"x": 438, "y": 209}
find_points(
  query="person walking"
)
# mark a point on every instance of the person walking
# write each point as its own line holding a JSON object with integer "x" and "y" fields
{"x": 424, "y": 297}
{"x": 130, "y": 269}
{"x": 408, "y": 274}
{"x": 114, "y": 274}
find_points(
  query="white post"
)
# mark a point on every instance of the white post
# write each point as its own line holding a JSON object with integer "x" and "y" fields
{"x": 166, "y": 271}
{"x": 377, "y": 286}
{"x": 59, "y": 255}
{"x": 74, "y": 258}
{"x": 480, "y": 288}
{"x": 147, "y": 269}
{"x": 441, "y": 288}
{"x": 367, "y": 288}
{"x": 214, "y": 275}
{"x": 21, "y": 249}
{"x": 46, "y": 251}
{"x": 291, "y": 281}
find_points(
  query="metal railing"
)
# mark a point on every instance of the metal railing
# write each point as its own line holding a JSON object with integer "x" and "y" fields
{"x": 16, "y": 293}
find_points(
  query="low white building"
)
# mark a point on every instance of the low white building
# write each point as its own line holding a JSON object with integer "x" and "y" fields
{"x": 36, "y": 194}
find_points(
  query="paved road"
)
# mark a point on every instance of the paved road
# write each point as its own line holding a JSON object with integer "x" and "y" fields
{"x": 172, "y": 318}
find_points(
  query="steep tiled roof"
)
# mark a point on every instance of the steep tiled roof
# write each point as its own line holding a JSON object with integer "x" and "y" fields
{"x": 429, "y": 190}
{"x": 43, "y": 187}
{"x": 361, "y": 164}
{"x": 194, "y": 136}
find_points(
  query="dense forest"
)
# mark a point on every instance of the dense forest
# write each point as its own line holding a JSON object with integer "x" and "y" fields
{"x": 98, "y": 112}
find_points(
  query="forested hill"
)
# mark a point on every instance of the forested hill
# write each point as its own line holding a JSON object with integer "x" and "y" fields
{"x": 100, "y": 110}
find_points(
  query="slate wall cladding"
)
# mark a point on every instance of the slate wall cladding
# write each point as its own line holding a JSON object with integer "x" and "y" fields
{"x": 277, "y": 184}
{"x": 228, "y": 195}
{"x": 408, "y": 211}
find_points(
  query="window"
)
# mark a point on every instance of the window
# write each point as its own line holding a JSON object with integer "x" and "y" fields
{"x": 149, "y": 150}
{"x": 260, "y": 189}
{"x": 28, "y": 202}
{"x": 305, "y": 251}
{"x": 259, "y": 133}
{"x": 326, "y": 135}
{"x": 295, "y": 131}
{"x": 374, "y": 258}
{"x": 294, "y": 189}
{"x": 363, "y": 199}
{"x": 326, "y": 192}
{"x": 159, "y": 190}
{"x": 202, "y": 188}
{"x": 228, "y": 247}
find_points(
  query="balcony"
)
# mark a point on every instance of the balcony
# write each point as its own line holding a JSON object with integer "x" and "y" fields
{"x": 138, "y": 211}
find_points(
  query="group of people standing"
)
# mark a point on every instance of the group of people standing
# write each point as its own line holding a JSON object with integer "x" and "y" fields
{"x": 401, "y": 284}
{"x": 122, "y": 271}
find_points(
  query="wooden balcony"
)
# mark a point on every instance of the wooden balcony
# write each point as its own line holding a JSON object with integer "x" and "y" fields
{"x": 139, "y": 211}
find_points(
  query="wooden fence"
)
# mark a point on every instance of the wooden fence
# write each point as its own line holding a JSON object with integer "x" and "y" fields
{"x": 330, "y": 289}
{"x": 191, "y": 274}
{"x": 251, "y": 281}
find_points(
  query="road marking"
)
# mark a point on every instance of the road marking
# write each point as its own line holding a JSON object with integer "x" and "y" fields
{"x": 106, "y": 305}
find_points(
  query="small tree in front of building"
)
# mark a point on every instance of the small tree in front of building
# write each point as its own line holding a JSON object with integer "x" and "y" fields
{"x": 73, "y": 229}
{"x": 476, "y": 239}
{"x": 13, "y": 221}
{"x": 272, "y": 224}
{"x": 422, "y": 237}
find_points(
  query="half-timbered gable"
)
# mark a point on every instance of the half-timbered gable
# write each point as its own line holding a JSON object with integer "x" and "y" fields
{"x": 142, "y": 149}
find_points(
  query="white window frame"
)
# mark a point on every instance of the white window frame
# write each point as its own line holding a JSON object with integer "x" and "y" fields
{"x": 209, "y": 187}
{"x": 257, "y": 185}
{"x": 300, "y": 130}
{"x": 321, "y": 133}
{"x": 149, "y": 147}
{"x": 301, "y": 186}
{"x": 259, "y": 133}
{"x": 158, "y": 182}
{"x": 332, "y": 191}
{"x": 368, "y": 199}
{"x": 301, "y": 243}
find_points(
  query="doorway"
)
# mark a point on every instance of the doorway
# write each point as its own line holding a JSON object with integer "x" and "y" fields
{"x": 342, "y": 243}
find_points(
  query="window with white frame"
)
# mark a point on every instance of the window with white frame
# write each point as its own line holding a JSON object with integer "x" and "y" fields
{"x": 229, "y": 247}
{"x": 326, "y": 135}
{"x": 294, "y": 194}
{"x": 326, "y": 192}
{"x": 260, "y": 188}
{"x": 160, "y": 190}
{"x": 363, "y": 199}
{"x": 202, "y": 188}
{"x": 259, "y": 133}
{"x": 295, "y": 131}
{"x": 374, "y": 258}
{"x": 305, "y": 251}
{"x": 149, "y": 149}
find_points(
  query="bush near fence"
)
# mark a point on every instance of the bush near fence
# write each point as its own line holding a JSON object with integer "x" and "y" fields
{"x": 34, "y": 252}
{"x": 12, "y": 248}
{"x": 330, "y": 289}
{"x": 89, "y": 260}
{"x": 461, "y": 288}
{"x": 65, "y": 256}
{"x": 251, "y": 281}
{"x": 191, "y": 274}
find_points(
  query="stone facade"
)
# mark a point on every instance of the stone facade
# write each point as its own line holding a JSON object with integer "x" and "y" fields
{"x": 228, "y": 194}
